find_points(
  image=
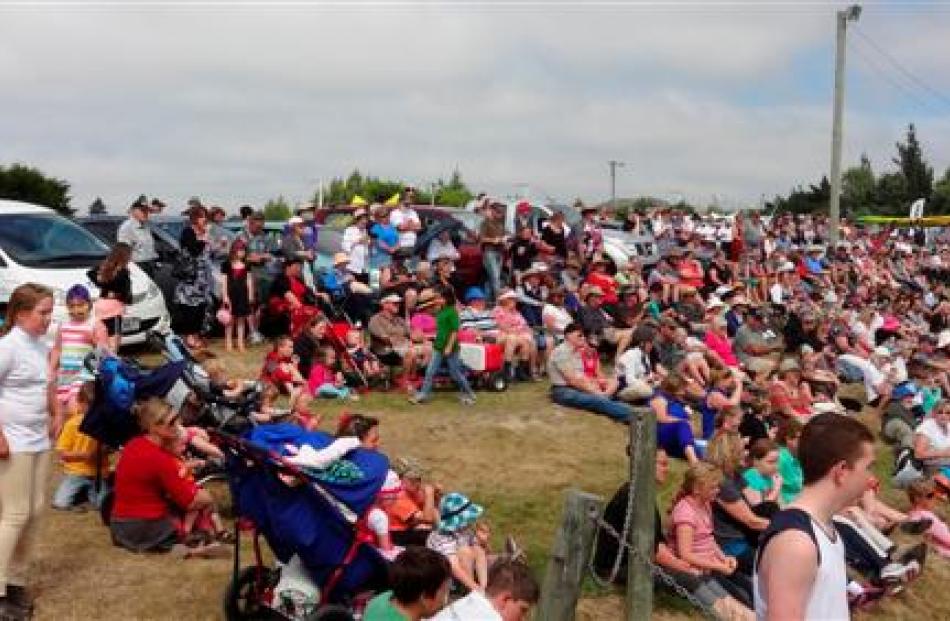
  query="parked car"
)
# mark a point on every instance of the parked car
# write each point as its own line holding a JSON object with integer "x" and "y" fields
{"x": 106, "y": 228}
{"x": 39, "y": 245}
{"x": 329, "y": 240}
{"x": 172, "y": 225}
{"x": 619, "y": 245}
{"x": 462, "y": 225}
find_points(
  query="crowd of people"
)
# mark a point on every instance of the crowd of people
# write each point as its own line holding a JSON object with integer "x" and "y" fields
{"x": 738, "y": 345}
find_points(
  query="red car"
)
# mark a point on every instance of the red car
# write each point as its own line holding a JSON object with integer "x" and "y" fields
{"x": 462, "y": 225}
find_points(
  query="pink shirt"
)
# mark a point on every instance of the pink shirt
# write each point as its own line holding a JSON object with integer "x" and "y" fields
{"x": 722, "y": 346}
{"x": 687, "y": 512}
{"x": 423, "y": 322}
{"x": 509, "y": 321}
{"x": 939, "y": 533}
{"x": 319, "y": 375}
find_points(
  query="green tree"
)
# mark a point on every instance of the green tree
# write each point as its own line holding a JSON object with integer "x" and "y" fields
{"x": 890, "y": 195}
{"x": 940, "y": 199}
{"x": 277, "y": 209}
{"x": 858, "y": 189}
{"x": 23, "y": 183}
{"x": 454, "y": 193}
{"x": 918, "y": 175}
{"x": 373, "y": 189}
{"x": 813, "y": 200}
{"x": 97, "y": 207}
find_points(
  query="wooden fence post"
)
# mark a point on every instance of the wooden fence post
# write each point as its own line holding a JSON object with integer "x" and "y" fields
{"x": 639, "y": 601}
{"x": 570, "y": 556}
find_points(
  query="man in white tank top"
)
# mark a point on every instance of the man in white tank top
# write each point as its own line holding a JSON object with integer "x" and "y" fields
{"x": 800, "y": 567}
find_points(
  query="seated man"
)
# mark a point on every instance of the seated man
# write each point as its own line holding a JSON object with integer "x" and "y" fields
{"x": 389, "y": 338}
{"x": 509, "y": 596}
{"x": 599, "y": 326}
{"x": 476, "y": 316}
{"x": 753, "y": 344}
{"x": 674, "y": 354}
{"x": 571, "y": 387}
{"x": 344, "y": 289}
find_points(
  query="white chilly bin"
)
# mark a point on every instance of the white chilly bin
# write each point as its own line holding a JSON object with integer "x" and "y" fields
{"x": 473, "y": 356}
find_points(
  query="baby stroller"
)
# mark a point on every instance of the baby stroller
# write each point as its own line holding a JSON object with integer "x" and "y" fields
{"x": 324, "y": 568}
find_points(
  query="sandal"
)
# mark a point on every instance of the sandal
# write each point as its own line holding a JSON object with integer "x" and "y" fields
{"x": 224, "y": 536}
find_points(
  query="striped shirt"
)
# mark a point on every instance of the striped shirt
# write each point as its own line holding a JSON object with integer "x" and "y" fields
{"x": 77, "y": 340}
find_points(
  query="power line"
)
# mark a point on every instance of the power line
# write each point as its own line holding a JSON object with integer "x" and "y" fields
{"x": 883, "y": 74}
{"x": 904, "y": 70}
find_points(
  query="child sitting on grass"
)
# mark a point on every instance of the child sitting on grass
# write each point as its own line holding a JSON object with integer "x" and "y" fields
{"x": 415, "y": 510}
{"x": 280, "y": 367}
{"x": 377, "y": 518}
{"x": 199, "y": 526}
{"x": 922, "y": 495}
{"x": 367, "y": 362}
{"x": 326, "y": 381}
{"x": 78, "y": 455}
{"x": 301, "y": 412}
{"x": 456, "y": 539}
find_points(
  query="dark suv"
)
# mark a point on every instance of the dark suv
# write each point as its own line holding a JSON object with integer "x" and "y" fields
{"x": 106, "y": 228}
{"x": 462, "y": 226}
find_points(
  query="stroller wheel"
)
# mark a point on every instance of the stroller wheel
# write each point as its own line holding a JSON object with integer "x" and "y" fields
{"x": 498, "y": 382}
{"x": 244, "y": 598}
{"x": 331, "y": 613}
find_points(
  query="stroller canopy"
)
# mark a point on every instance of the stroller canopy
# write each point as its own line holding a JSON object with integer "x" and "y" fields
{"x": 119, "y": 384}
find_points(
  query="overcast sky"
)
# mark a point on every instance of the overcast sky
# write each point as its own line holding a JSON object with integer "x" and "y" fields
{"x": 241, "y": 103}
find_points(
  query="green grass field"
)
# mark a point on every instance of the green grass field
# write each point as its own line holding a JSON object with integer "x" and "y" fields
{"x": 514, "y": 452}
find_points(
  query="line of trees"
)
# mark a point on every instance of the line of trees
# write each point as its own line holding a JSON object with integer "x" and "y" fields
{"x": 864, "y": 192}
{"x": 453, "y": 192}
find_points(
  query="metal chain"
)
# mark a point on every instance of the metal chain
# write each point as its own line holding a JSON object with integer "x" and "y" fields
{"x": 623, "y": 542}
{"x": 656, "y": 570}
{"x": 628, "y": 517}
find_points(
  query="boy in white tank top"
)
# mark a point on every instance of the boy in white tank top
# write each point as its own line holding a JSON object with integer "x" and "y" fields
{"x": 800, "y": 567}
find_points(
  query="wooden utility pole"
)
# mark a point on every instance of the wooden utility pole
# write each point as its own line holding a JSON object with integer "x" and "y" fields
{"x": 850, "y": 14}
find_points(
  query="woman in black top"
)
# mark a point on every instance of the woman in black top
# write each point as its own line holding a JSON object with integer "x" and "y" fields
{"x": 115, "y": 291}
{"x": 554, "y": 234}
{"x": 196, "y": 278}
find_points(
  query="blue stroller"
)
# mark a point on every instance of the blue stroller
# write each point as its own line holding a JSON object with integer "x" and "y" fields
{"x": 310, "y": 520}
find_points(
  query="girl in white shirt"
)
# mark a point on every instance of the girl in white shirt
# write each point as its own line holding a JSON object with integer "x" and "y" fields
{"x": 26, "y": 428}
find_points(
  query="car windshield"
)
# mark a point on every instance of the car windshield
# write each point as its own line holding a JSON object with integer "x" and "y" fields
{"x": 471, "y": 220}
{"x": 571, "y": 215}
{"x": 49, "y": 240}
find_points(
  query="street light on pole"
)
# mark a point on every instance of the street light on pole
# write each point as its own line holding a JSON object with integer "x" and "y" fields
{"x": 850, "y": 14}
{"x": 614, "y": 165}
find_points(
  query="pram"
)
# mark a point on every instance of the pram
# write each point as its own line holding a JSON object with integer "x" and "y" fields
{"x": 309, "y": 524}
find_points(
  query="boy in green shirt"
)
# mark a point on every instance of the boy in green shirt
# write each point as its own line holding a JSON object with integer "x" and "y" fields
{"x": 420, "y": 581}
{"x": 445, "y": 348}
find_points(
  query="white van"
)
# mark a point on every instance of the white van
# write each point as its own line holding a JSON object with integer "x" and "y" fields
{"x": 39, "y": 245}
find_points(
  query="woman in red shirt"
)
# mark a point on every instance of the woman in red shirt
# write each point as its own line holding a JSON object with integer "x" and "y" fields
{"x": 690, "y": 270}
{"x": 598, "y": 277}
{"x": 152, "y": 489}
